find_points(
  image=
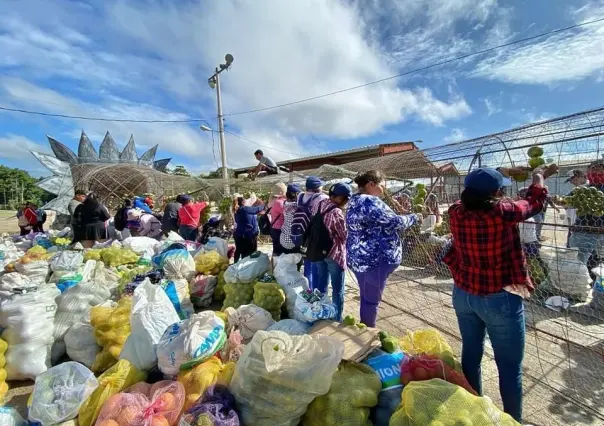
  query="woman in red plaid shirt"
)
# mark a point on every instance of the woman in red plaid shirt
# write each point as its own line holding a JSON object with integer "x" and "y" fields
{"x": 491, "y": 279}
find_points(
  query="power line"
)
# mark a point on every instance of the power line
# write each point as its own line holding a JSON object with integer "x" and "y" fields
{"x": 427, "y": 67}
{"x": 259, "y": 144}
{"x": 120, "y": 120}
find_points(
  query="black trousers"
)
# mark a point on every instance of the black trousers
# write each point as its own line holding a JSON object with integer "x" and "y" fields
{"x": 244, "y": 246}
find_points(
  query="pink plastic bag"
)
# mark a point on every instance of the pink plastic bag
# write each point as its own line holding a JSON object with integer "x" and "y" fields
{"x": 233, "y": 348}
{"x": 144, "y": 404}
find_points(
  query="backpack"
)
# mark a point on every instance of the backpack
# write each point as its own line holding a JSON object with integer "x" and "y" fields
{"x": 264, "y": 223}
{"x": 41, "y": 216}
{"x": 119, "y": 220}
{"x": 317, "y": 242}
{"x": 301, "y": 220}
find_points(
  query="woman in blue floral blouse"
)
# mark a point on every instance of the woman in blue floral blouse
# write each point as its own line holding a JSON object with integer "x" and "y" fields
{"x": 373, "y": 246}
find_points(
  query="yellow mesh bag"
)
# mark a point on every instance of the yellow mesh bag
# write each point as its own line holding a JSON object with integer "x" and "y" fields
{"x": 210, "y": 263}
{"x": 3, "y": 384}
{"x": 111, "y": 329}
{"x": 119, "y": 377}
{"x": 439, "y": 403}
{"x": 354, "y": 390}
{"x": 431, "y": 342}
{"x": 204, "y": 375}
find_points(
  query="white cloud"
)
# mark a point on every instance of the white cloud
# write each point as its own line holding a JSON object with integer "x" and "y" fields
{"x": 491, "y": 106}
{"x": 16, "y": 147}
{"x": 455, "y": 136}
{"x": 283, "y": 51}
{"x": 563, "y": 57}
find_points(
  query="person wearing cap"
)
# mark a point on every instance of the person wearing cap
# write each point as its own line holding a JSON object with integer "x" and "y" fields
{"x": 588, "y": 231}
{"x": 490, "y": 276}
{"x": 276, "y": 217}
{"x": 334, "y": 266}
{"x": 170, "y": 218}
{"x": 188, "y": 217}
{"x": 290, "y": 205}
{"x": 577, "y": 179}
{"x": 373, "y": 244}
{"x": 246, "y": 229}
{"x": 312, "y": 197}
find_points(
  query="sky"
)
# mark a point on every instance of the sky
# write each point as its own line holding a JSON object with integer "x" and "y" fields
{"x": 150, "y": 60}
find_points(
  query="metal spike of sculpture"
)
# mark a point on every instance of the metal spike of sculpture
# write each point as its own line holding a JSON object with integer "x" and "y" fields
{"x": 112, "y": 175}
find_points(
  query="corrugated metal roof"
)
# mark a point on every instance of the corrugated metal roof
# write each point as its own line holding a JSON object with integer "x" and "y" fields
{"x": 335, "y": 153}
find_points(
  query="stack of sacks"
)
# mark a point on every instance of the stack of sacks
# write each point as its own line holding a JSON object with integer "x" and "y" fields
{"x": 73, "y": 306}
{"x": 178, "y": 293}
{"x": 111, "y": 329}
{"x": 27, "y": 321}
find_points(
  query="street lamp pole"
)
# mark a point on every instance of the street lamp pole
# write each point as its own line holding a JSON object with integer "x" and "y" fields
{"x": 214, "y": 82}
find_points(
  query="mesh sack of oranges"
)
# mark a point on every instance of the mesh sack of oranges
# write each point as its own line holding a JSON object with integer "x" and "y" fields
{"x": 111, "y": 329}
{"x": 431, "y": 342}
{"x": 438, "y": 403}
{"x": 119, "y": 377}
{"x": 426, "y": 367}
{"x": 354, "y": 391}
{"x": 144, "y": 404}
{"x": 201, "y": 377}
{"x": 3, "y": 384}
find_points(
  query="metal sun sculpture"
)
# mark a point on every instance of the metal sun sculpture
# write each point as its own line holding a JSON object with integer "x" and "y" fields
{"x": 110, "y": 173}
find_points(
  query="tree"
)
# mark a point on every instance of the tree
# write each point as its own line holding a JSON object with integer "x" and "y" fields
{"x": 17, "y": 186}
{"x": 218, "y": 174}
{"x": 180, "y": 171}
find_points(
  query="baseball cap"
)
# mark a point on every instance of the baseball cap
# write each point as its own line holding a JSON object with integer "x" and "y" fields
{"x": 574, "y": 174}
{"x": 313, "y": 182}
{"x": 486, "y": 180}
{"x": 293, "y": 188}
{"x": 340, "y": 189}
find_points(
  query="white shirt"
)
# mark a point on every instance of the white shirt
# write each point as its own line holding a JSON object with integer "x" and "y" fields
{"x": 268, "y": 161}
{"x": 528, "y": 231}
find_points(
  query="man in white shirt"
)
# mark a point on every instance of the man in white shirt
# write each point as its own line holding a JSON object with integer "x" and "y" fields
{"x": 266, "y": 164}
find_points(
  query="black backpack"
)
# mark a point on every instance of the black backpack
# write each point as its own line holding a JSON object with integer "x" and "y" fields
{"x": 119, "y": 220}
{"x": 264, "y": 223}
{"x": 317, "y": 242}
{"x": 302, "y": 219}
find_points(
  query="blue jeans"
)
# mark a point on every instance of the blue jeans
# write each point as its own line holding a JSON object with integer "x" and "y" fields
{"x": 502, "y": 316}
{"x": 539, "y": 219}
{"x": 587, "y": 243}
{"x": 189, "y": 233}
{"x": 322, "y": 271}
{"x": 308, "y": 266}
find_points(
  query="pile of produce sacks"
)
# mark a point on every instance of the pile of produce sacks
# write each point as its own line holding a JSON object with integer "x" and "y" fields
{"x": 210, "y": 263}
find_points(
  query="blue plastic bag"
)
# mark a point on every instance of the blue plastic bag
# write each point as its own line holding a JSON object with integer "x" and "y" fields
{"x": 388, "y": 367}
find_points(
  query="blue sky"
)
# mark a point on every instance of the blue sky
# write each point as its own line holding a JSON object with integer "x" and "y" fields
{"x": 150, "y": 60}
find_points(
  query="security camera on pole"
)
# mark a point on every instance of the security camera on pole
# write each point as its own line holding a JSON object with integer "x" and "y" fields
{"x": 214, "y": 82}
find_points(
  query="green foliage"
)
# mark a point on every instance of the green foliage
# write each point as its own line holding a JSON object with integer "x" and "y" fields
{"x": 180, "y": 171}
{"x": 218, "y": 174}
{"x": 17, "y": 185}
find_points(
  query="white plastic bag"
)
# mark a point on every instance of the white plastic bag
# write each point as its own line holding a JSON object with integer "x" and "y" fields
{"x": 287, "y": 372}
{"x": 291, "y": 326}
{"x": 152, "y": 313}
{"x": 247, "y": 269}
{"x": 177, "y": 264}
{"x": 141, "y": 245}
{"x": 11, "y": 417}
{"x": 27, "y": 321}
{"x": 13, "y": 281}
{"x": 66, "y": 260}
{"x": 81, "y": 344}
{"x": 568, "y": 273}
{"x": 36, "y": 271}
{"x": 248, "y": 319}
{"x": 178, "y": 293}
{"x": 217, "y": 244}
{"x": 59, "y": 393}
{"x": 74, "y": 305}
{"x": 309, "y": 313}
{"x": 190, "y": 342}
{"x": 202, "y": 289}
{"x": 290, "y": 279}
